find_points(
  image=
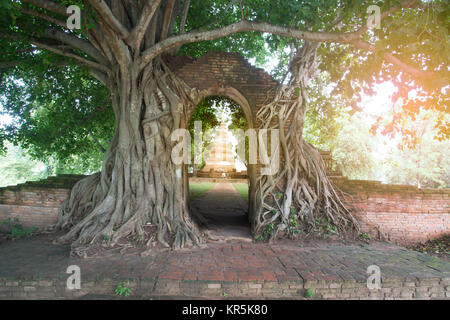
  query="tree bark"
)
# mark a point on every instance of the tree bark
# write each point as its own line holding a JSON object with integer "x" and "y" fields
{"x": 139, "y": 183}
{"x": 300, "y": 193}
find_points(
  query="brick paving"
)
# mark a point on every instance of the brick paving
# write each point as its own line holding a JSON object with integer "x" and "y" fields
{"x": 216, "y": 265}
{"x": 35, "y": 268}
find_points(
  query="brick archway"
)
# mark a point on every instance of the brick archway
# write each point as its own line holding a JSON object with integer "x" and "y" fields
{"x": 232, "y": 76}
{"x": 228, "y": 74}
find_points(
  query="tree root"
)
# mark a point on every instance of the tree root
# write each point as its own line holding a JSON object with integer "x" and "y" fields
{"x": 301, "y": 192}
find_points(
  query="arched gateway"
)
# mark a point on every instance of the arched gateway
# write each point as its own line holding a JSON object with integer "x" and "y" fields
{"x": 140, "y": 183}
{"x": 230, "y": 75}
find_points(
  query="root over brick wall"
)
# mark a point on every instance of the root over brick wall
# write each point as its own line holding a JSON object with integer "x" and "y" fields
{"x": 398, "y": 213}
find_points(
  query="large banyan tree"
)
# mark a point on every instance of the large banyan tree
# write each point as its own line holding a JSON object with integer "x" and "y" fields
{"x": 125, "y": 45}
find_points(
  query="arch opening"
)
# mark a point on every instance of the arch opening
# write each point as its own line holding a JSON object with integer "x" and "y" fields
{"x": 219, "y": 187}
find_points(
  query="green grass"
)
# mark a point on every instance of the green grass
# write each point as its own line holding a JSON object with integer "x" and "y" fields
{"x": 242, "y": 189}
{"x": 196, "y": 189}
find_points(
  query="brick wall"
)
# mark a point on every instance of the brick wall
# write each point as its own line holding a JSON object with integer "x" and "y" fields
{"x": 36, "y": 203}
{"x": 227, "y": 69}
{"x": 400, "y": 213}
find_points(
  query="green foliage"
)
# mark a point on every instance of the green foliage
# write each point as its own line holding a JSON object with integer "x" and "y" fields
{"x": 206, "y": 114}
{"x": 424, "y": 162}
{"x": 323, "y": 117}
{"x": 434, "y": 246}
{"x": 123, "y": 290}
{"x": 365, "y": 236}
{"x": 54, "y": 113}
{"x": 324, "y": 228}
{"x": 309, "y": 293}
{"x": 211, "y": 111}
{"x": 293, "y": 227}
{"x": 16, "y": 167}
{"x": 242, "y": 189}
{"x": 354, "y": 147}
{"x": 15, "y": 230}
{"x": 196, "y": 189}
{"x": 265, "y": 236}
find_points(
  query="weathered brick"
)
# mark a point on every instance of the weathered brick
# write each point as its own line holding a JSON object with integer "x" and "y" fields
{"x": 29, "y": 289}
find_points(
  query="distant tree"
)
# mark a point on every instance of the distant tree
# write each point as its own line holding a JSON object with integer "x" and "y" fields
{"x": 353, "y": 149}
{"x": 16, "y": 167}
{"x": 207, "y": 115}
{"x": 424, "y": 162}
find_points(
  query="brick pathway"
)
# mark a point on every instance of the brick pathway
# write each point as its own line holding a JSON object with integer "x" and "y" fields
{"x": 225, "y": 211}
{"x": 36, "y": 268}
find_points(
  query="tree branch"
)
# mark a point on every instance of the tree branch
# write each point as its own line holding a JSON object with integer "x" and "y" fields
{"x": 120, "y": 49}
{"x": 106, "y": 14}
{"x": 352, "y": 38}
{"x": 394, "y": 60}
{"x": 80, "y": 59}
{"x": 48, "y": 5}
{"x": 76, "y": 43}
{"x": 241, "y": 26}
{"x": 184, "y": 16}
{"x": 42, "y": 16}
{"x": 97, "y": 142}
{"x": 9, "y": 64}
{"x": 166, "y": 21}
{"x": 137, "y": 34}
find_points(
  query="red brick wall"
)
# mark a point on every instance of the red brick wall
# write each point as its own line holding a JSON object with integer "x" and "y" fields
{"x": 402, "y": 214}
{"x": 33, "y": 206}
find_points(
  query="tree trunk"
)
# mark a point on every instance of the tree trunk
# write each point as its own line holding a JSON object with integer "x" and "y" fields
{"x": 300, "y": 193}
{"x": 139, "y": 183}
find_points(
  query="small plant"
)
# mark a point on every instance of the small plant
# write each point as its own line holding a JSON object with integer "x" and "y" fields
{"x": 16, "y": 230}
{"x": 365, "y": 236}
{"x": 266, "y": 233}
{"x": 293, "y": 228}
{"x": 123, "y": 290}
{"x": 309, "y": 293}
{"x": 269, "y": 228}
{"x": 259, "y": 238}
{"x": 138, "y": 239}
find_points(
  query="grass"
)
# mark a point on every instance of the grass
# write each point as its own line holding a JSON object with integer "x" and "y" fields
{"x": 242, "y": 189}
{"x": 196, "y": 189}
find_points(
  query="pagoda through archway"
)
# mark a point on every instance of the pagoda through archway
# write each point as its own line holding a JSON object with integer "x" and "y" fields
{"x": 219, "y": 191}
{"x": 221, "y": 158}
{"x": 229, "y": 75}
